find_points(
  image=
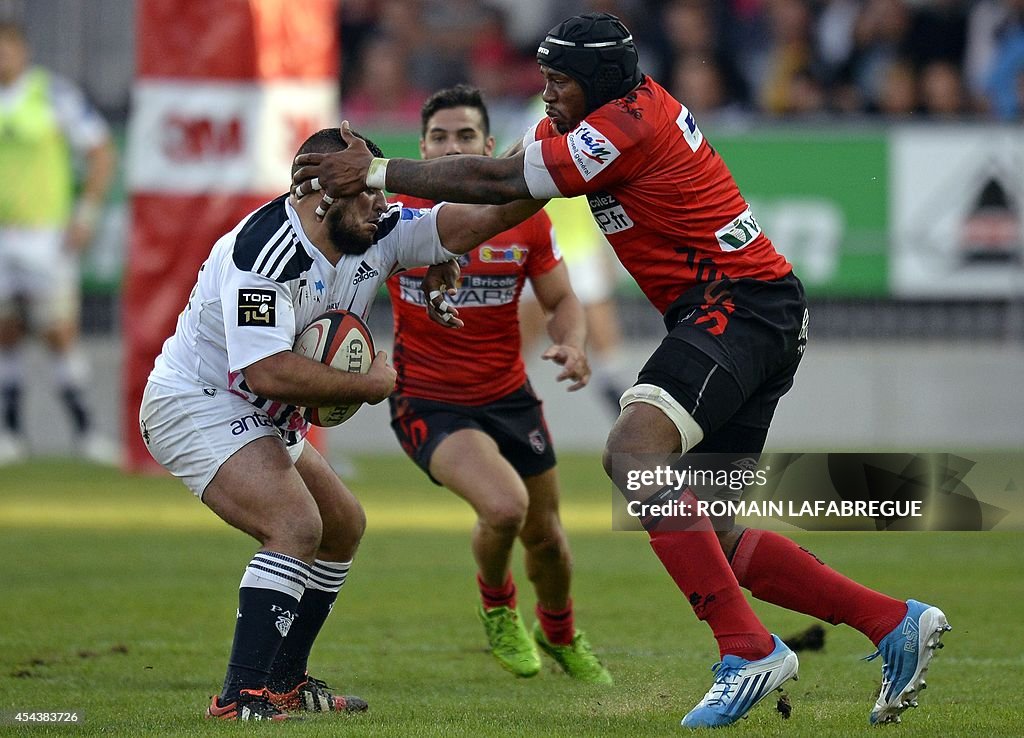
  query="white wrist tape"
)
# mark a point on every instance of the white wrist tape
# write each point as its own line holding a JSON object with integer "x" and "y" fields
{"x": 376, "y": 173}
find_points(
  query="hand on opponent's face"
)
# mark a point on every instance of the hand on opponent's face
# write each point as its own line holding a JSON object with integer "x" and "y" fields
{"x": 334, "y": 175}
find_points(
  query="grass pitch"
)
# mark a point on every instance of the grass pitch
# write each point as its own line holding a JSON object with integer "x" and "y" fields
{"x": 119, "y": 598}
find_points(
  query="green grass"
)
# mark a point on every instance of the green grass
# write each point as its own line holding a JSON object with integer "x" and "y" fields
{"x": 119, "y": 598}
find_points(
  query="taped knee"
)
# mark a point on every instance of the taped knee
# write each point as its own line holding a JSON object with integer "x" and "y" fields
{"x": 690, "y": 432}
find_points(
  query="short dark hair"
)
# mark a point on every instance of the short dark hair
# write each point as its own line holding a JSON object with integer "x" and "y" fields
{"x": 458, "y": 96}
{"x": 328, "y": 140}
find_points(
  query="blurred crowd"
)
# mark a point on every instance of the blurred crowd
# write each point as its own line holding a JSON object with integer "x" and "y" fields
{"x": 726, "y": 59}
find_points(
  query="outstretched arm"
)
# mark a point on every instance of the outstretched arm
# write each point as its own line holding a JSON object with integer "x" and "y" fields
{"x": 460, "y": 178}
{"x": 464, "y": 227}
{"x": 466, "y": 178}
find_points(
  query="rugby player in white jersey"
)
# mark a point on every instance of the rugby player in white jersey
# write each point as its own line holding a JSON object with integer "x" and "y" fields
{"x": 222, "y": 410}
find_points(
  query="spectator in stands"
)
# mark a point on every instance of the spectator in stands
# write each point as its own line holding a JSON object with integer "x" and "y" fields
{"x": 897, "y": 95}
{"x": 987, "y": 24}
{"x": 880, "y": 38}
{"x": 938, "y": 32}
{"x": 44, "y": 120}
{"x": 1004, "y": 84}
{"x": 806, "y": 96}
{"x": 357, "y": 23}
{"x": 701, "y": 82}
{"x": 497, "y": 68}
{"x": 382, "y": 95}
{"x": 942, "y": 91}
{"x": 786, "y": 81}
{"x": 833, "y": 33}
{"x": 693, "y": 39}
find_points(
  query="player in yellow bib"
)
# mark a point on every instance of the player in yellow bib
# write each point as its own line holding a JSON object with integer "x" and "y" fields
{"x": 44, "y": 123}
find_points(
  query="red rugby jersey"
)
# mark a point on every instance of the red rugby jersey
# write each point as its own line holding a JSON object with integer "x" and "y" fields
{"x": 661, "y": 194}
{"x": 481, "y": 362}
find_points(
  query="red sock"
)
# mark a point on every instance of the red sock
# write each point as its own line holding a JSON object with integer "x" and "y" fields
{"x": 503, "y": 596}
{"x": 694, "y": 559}
{"x": 557, "y": 625}
{"x": 777, "y": 570}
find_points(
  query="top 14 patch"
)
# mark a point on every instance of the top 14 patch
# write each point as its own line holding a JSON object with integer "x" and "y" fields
{"x": 257, "y": 307}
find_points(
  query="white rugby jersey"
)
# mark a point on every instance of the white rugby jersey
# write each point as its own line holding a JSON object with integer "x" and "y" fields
{"x": 264, "y": 282}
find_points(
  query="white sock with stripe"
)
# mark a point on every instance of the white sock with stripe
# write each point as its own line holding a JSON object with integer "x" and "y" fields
{"x": 325, "y": 580}
{"x": 268, "y": 603}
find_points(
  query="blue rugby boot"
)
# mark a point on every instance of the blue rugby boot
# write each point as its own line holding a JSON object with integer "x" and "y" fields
{"x": 741, "y": 684}
{"x": 906, "y": 653}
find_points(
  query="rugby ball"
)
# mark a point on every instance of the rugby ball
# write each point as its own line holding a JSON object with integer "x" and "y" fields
{"x": 341, "y": 340}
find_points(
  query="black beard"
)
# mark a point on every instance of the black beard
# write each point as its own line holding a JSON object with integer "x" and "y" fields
{"x": 343, "y": 239}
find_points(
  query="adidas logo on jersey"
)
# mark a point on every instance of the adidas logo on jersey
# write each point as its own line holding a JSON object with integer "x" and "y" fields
{"x": 363, "y": 273}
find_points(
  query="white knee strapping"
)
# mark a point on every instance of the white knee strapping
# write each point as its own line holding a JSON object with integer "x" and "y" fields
{"x": 690, "y": 433}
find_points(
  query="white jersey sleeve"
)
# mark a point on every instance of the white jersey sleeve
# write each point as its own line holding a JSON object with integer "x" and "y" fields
{"x": 259, "y": 317}
{"x": 408, "y": 238}
{"x": 538, "y": 179}
{"x": 530, "y": 135}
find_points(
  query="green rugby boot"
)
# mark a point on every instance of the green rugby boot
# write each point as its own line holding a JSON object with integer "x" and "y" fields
{"x": 576, "y": 658}
{"x": 509, "y": 641}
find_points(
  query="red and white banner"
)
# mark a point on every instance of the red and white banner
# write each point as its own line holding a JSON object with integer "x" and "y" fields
{"x": 225, "y": 93}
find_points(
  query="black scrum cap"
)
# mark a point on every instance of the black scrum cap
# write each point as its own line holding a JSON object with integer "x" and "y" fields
{"x": 596, "y": 50}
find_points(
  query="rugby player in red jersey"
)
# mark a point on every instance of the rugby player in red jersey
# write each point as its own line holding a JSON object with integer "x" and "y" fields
{"x": 737, "y": 327}
{"x": 487, "y": 441}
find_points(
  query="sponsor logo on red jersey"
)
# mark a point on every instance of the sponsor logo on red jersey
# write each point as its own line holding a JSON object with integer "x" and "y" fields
{"x": 514, "y": 254}
{"x": 591, "y": 150}
{"x": 740, "y": 231}
{"x": 608, "y": 213}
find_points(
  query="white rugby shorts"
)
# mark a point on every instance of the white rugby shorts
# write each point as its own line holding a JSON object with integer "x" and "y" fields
{"x": 192, "y": 431}
{"x": 35, "y": 266}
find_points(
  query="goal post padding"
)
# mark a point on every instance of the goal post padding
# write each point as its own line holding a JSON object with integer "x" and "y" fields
{"x": 224, "y": 94}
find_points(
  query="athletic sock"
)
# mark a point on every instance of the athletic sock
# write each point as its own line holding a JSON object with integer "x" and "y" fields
{"x": 11, "y": 381}
{"x": 606, "y": 376}
{"x": 557, "y": 625}
{"x": 12, "y": 408}
{"x": 777, "y": 570}
{"x": 80, "y": 420}
{"x": 325, "y": 581}
{"x": 503, "y": 596}
{"x": 268, "y": 599}
{"x": 695, "y": 561}
{"x": 71, "y": 373}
